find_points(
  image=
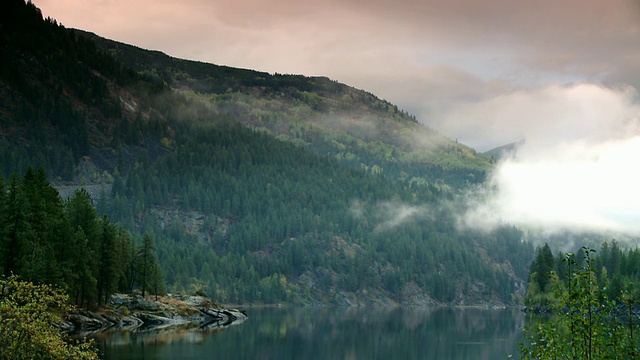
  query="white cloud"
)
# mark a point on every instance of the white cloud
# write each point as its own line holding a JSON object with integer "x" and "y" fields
{"x": 388, "y": 215}
{"x": 578, "y": 168}
{"x": 393, "y": 214}
{"x": 547, "y": 117}
{"x": 480, "y": 72}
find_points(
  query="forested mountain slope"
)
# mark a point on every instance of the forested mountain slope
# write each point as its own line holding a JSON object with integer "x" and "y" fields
{"x": 255, "y": 187}
{"x": 321, "y": 115}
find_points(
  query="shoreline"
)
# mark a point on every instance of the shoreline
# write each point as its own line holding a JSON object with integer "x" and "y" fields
{"x": 135, "y": 313}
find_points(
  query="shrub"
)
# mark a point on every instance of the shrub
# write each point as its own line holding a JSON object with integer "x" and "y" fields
{"x": 28, "y": 313}
{"x": 584, "y": 323}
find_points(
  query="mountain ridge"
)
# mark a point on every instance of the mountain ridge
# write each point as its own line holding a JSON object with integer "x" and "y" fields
{"x": 279, "y": 189}
{"x": 320, "y": 114}
{"x": 506, "y": 150}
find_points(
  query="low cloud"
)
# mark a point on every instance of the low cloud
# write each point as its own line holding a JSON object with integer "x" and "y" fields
{"x": 394, "y": 214}
{"x": 474, "y": 71}
{"x": 547, "y": 117}
{"x": 577, "y": 169}
{"x": 388, "y": 215}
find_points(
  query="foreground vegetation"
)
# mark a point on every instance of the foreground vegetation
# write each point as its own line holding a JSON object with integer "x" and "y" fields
{"x": 575, "y": 317}
{"x": 50, "y": 247}
{"x": 48, "y": 240}
{"x": 28, "y": 314}
{"x": 616, "y": 270}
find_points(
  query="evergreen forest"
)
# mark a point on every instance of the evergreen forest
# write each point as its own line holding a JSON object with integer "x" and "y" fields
{"x": 254, "y": 187}
{"x": 47, "y": 240}
{"x": 615, "y": 269}
{"x": 583, "y": 305}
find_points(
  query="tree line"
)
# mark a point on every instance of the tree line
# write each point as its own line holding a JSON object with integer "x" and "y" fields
{"x": 269, "y": 213}
{"x": 616, "y": 269}
{"x": 45, "y": 239}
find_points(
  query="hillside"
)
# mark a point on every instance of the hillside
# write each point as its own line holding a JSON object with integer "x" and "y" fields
{"x": 256, "y": 187}
{"x": 316, "y": 113}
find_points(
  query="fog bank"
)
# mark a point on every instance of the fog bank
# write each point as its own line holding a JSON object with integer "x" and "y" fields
{"x": 578, "y": 167}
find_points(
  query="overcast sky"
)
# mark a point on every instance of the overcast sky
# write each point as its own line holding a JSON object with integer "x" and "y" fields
{"x": 562, "y": 74}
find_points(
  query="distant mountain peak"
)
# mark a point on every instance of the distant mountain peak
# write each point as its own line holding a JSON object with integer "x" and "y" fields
{"x": 506, "y": 150}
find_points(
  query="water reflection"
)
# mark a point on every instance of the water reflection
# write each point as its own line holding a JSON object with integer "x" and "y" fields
{"x": 335, "y": 333}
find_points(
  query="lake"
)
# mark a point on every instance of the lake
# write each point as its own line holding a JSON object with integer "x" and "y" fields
{"x": 335, "y": 333}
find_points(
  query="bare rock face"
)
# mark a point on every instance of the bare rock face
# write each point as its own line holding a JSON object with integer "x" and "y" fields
{"x": 133, "y": 312}
{"x": 414, "y": 296}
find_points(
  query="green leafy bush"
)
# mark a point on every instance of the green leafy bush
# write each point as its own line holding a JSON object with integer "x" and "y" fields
{"x": 28, "y": 313}
{"x": 582, "y": 322}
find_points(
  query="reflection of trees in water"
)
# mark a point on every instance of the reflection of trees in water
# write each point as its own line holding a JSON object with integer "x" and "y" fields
{"x": 412, "y": 332}
{"x": 153, "y": 336}
{"x": 358, "y": 332}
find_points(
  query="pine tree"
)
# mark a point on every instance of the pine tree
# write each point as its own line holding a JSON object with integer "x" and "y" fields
{"x": 12, "y": 227}
{"x": 107, "y": 261}
{"x": 125, "y": 260}
{"x": 542, "y": 267}
{"x": 156, "y": 280}
{"x": 147, "y": 262}
{"x": 83, "y": 222}
{"x": 43, "y": 213}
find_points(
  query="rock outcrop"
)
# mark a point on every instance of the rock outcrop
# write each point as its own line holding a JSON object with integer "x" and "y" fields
{"x": 133, "y": 312}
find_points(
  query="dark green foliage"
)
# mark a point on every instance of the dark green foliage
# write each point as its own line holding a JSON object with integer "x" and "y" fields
{"x": 85, "y": 231}
{"x": 44, "y": 219}
{"x": 149, "y": 273}
{"x": 107, "y": 277}
{"x": 48, "y": 240}
{"x": 13, "y": 225}
{"x": 540, "y": 272}
{"x": 27, "y": 331}
{"x": 266, "y": 215}
{"x": 56, "y": 90}
{"x": 270, "y": 214}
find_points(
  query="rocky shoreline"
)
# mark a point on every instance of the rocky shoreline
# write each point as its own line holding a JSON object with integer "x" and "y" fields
{"x": 135, "y": 313}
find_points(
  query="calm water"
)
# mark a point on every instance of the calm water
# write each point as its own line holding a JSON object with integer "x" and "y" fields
{"x": 335, "y": 333}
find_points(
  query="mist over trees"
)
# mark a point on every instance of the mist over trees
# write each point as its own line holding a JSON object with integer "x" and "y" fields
{"x": 245, "y": 181}
{"x": 265, "y": 215}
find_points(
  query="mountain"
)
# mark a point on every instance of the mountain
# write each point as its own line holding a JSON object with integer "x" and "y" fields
{"x": 256, "y": 187}
{"x": 505, "y": 150}
{"x": 316, "y": 113}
